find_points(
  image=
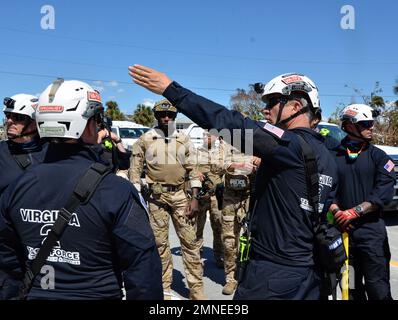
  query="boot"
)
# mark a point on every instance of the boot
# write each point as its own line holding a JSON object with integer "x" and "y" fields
{"x": 197, "y": 294}
{"x": 229, "y": 288}
{"x": 168, "y": 295}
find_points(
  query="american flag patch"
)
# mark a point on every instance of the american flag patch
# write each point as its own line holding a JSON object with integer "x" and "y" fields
{"x": 389, "y": 166}
{"x": 275, "y": 130}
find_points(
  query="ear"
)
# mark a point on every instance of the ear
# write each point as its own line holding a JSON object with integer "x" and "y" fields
{"x": 31, "y": 126}
{"x": 296, "y": 105}
{"x": 90, "y": 132}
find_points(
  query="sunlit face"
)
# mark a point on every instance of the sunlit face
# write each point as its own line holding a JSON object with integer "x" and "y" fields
{"x": 16, "y": 122}
{"x": 273, "y": 104}
{"x": 364, "y": 128}
{"x": 165, "y": 117}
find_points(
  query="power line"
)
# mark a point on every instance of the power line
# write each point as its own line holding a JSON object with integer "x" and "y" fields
{"x": 124, "y": 68}
{"x": 130, "y": 45}
{"x": 130, "y": 83}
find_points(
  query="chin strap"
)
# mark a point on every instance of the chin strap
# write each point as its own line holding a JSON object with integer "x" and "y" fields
{"x": 284, "y": 121}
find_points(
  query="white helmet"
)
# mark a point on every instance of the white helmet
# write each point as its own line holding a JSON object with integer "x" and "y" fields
{"x": 22, "y": 103}
{"x": 355, "y": 113}
{"x": 65, "y": 107}
{"x": 287, "y": 83}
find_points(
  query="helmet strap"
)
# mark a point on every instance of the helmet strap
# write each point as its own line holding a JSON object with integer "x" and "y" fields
{"x": 278, "y": 118}
{"x": 301, "y": 111}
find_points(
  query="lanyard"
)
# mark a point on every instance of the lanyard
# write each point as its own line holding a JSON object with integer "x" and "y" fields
{"x": 353, "y": 155}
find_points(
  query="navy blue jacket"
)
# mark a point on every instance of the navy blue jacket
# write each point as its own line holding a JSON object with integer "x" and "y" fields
{"x": 108, "y": 240}
{"x": 281, "y": 224}
{"x": 9, "y": 168}
{"x": 370, "y": 178}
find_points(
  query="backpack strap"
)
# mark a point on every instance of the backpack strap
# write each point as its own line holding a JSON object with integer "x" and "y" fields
{"x": 82, "y": 193}
{"x": 312, "y": 178}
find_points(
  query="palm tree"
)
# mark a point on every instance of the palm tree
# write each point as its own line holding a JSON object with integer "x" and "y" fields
{"x": 144, "y": 115}
{"x": 113, "y": 111}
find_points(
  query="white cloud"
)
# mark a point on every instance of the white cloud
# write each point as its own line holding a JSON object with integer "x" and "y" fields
{"x": 120, "y": 90}
{"x": 113, "y": 83}
{"x": 148, "y": 102}
{"x": 98, "y": 85}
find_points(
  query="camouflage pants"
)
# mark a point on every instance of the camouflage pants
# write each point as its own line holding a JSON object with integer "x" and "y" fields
{"x": 210, "y": 204}
{"x": 173, "y": 204}
{"x": 235, "y": 208}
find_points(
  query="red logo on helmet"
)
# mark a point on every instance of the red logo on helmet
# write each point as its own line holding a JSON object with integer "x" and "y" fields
{"x": 351, "y": 113}
{"x": 293, "y": 78}
{"x": 93, "y": 96}
{"x": 51, "y": 109}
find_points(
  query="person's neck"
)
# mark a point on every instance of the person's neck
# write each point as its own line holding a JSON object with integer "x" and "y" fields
{"x": 24, "y": 139}
{"x": 297, "y": 123}
{"x": 356, "y": 139}
{"x": 166, "y": 130}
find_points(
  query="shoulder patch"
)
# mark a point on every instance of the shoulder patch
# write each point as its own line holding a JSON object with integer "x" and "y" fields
{"x": 274, "y": 130}
{"x": 389, "y": 166}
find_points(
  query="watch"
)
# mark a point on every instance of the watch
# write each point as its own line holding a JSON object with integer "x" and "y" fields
{"x": 359, "y": 210}
{"x": 118, "y": 141}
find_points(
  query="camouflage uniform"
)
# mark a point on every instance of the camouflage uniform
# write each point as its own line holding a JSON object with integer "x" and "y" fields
{"x": 210, "y": 162}
{"x": 168, "y": 165}
{"x": 235, "y": 208}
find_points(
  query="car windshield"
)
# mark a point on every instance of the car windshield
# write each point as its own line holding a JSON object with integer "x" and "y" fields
{"x": 131, "y": 133}
{"x": 335, "y": 131}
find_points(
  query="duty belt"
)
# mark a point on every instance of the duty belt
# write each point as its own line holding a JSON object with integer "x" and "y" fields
{"x": 169, "y": 187}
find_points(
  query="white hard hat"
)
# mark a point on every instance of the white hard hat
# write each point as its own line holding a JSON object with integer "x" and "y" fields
{"x": 355, "y": 113}
{"x": 65, "y": 107}
{"x": 22, "y": 104}
{"x": 285, "y": 84}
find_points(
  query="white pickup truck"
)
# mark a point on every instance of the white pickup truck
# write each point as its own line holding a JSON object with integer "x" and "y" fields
{"x": 128, "y": 131}
{"x": 338, "y": 134}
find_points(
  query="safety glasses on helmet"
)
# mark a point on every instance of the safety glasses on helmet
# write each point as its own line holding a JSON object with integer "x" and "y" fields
{"x": 271, "y": 102}
{"x": 16, "y": 117}
{"x": 366, "y": 124}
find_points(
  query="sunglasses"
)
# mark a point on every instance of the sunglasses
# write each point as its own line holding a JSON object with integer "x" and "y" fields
{"x": 164, "y": 114}
{"x": 366, "y": 124}
{"x": 273, "y": 101}
{"x": 16, "y": 117}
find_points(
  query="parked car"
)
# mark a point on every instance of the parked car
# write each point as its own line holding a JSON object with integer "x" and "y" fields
{"x": 336, "y": 132}
{"x": 128, "y": 131}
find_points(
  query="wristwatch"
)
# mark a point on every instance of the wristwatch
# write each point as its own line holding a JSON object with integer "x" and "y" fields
{"x": 118, "y": 141}
{"x": 359, "y": 210}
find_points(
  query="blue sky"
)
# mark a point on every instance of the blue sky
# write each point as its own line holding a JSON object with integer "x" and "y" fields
{"x": 209, "y": 46}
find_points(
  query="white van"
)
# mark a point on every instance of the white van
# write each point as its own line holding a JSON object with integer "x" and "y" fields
{"x": 128, "y": 131}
